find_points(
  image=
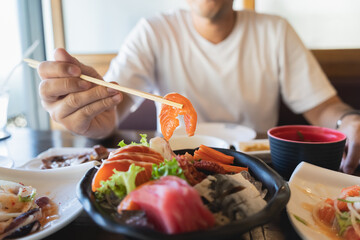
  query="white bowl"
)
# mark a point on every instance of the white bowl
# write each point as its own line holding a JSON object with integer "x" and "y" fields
{"x": 185, "y": 142}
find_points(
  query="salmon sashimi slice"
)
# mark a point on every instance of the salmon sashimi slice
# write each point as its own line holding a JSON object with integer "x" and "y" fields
{"x": 168, "y": 116}
{"x": 326, "y": 213}
{"x": 136, "y": 148}
{"x": 106, "y": 171}
{"x": 137, "y": 157}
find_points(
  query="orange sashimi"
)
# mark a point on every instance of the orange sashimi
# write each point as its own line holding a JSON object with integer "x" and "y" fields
{"x": 138, "y": 157}
{"x": 106, "y": 171}
{"x": 168, "y": 116}
{"x": 137, "y": 149}
{"x": 326, "y": 212}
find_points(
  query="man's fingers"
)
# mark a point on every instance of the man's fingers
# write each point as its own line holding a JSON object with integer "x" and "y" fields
{"x": 62, "y": 55}
{"x": 76, "y": 101}
{"x": 51, "y": 89}
{"x": 48, "y": 70}
{"x": 81, "y": 119}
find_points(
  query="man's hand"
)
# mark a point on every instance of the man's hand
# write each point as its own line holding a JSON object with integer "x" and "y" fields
{"x": 80, "y": 106}
{"x": 326, "y": 115}
{"x": 351, "y": 127}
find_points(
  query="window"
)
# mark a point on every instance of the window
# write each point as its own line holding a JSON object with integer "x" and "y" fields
{"x": 321, "y": 24}
{"x": 20, "y": 30}
{"x": 101, "y": 19}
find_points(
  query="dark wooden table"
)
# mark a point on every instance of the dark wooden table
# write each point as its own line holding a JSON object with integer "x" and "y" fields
{"x": 25, "y": 144}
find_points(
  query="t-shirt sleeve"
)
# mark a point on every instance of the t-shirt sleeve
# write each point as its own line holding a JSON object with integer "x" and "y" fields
{"x": 303, "y": 83}
{"x": 134, "y": 64}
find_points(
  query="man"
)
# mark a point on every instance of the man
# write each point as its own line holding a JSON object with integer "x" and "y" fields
{"x": 233, "y": 66}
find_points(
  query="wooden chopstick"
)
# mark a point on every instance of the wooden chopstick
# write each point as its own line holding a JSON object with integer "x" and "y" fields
{"x": 34, "y": 64}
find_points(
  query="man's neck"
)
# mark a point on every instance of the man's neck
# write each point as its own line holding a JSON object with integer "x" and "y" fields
{"x": 214, "y": 30}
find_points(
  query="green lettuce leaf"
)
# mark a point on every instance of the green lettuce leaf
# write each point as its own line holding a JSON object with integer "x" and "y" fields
{"x": 167, "y": 168}
{"x": 143, "y": 141}
{"x": 120, "y": 183}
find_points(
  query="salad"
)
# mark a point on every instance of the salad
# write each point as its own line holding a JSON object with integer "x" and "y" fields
{"x": 147, "y": 184}
{"x": 340, "y": 215}
{"x": 21, "y": 212}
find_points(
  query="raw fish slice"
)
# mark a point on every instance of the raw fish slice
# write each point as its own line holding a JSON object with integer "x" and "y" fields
{"x": 168, "y": 116}
{"x": 106, "y": 171}
{"x": 172, "y": 205}
{"x": 138, "y": 148}
{"x": 137, "y": 157}
{"x": 162, "y": 146}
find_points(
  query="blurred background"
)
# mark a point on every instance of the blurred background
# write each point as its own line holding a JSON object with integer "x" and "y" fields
{"x": 93, "y": 31}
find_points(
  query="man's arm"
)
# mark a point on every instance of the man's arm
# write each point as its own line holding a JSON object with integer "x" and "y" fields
{"x": 326, "y": 115}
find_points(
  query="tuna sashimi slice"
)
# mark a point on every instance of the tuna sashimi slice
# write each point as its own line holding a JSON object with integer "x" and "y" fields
{"x": 171, "y": 205}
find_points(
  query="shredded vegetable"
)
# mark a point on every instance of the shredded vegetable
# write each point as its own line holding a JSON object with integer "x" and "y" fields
{"x": 167, "y": 168}
{"x": 143, "y": 141}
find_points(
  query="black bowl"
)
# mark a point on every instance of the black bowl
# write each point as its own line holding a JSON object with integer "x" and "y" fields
{"x": 277, "y": 197}
{"x": 292, "y": 144}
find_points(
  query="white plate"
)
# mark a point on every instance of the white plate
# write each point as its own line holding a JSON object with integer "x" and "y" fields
{"x": 308, "y": 184}
{"x": 227, "y": 131}
{"x": 238, "y": 148}
{"x": 35, "y": 163}
{"x": 59, "y": 185}
{"x": 185, "y": 142}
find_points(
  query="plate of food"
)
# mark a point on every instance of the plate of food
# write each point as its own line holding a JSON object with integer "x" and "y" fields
{"x": 324, "y": 204}
{"x": 56, "y": 158}
{"x": 227, "y": 131}
{"x": 203, "y": 193}
{"x": 253, "y": 147}
{"x": 35, "y": 204}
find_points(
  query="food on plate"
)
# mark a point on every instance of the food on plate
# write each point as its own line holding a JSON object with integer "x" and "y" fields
{"x": 57, "y": 161}
{"x": 168, "y": 116}
{"x": 122, "y": 158}
{"x": 21, "y": 213}
{"x": 254, "y": 146}
{"x": 139, "y": 186}
{"x": 340, "y": 215}
{"x": 171, "y": 204}
{"x": 230, "y": 197}
{"x": 207, "y": 154}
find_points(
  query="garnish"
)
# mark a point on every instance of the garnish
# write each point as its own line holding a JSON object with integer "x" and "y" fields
{"x": 166, "y": 168}
{"x": 143, "y": 141}
{"x": 344, "y": 221}
{"x": 120, "y": 183}
{"x": 26, "y": 194}
{"x": 300, "y": 219}
{"x": 349, "y": 199}
{"x": 300, "y": 135}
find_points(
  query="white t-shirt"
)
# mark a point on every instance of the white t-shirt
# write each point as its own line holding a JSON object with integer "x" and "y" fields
{"x": 238, "y": 80}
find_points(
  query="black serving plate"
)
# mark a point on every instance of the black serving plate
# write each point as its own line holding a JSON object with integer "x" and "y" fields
{"x": 277, "y": 197}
